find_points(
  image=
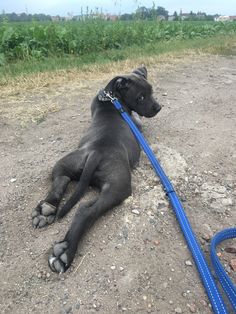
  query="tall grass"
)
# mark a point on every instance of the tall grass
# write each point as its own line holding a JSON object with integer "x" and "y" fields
{"x": 38, "y": 41}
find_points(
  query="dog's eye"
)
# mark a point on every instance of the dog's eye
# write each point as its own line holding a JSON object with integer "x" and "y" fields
{"x": 141, "y": 98}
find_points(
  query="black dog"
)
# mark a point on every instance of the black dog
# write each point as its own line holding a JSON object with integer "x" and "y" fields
{"x": 104, "y": 159}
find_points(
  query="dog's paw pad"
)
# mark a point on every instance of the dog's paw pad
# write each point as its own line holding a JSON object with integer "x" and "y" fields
{"x": 48, "y": 209}
{"x": 43, "y": 215}
{"x": 58, "y": 261}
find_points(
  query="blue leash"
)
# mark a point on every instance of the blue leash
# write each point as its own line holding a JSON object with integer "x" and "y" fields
{"x": 213, "y": 293}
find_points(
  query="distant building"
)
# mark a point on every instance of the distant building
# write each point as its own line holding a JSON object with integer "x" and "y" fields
{"x": 171, "y": 18}
{"x": 223, "y": 18}
{"x": 56, "y": 18}
{"x": 201, "y": 15}
{"x": 185, "y": 16}
{"x": 112, "y": 17}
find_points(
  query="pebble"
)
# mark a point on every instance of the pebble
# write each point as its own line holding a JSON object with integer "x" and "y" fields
{"x": 227, "y": 202}
{"x": 156, "y": 242}
{"x": 188, "y": 263}
{"x": 192, "y": 308}
{"x": 178, "y": 310}
{"x": 203, "y": 302}
{"x": 68, "y": 309}
{"x": 206, "y": 236}
{"x": 13, "y": 180}
{"x": 113, "y": 267}
{"x": 233, "y": 264}
{"x": 135, "y": 211}
{"x": 77, "y": 306}
{"x": 230, "y": 249}
{"x": 165, "y": 284}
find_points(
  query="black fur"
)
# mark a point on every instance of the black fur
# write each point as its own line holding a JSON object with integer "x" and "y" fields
{"x": 105, "y": 157}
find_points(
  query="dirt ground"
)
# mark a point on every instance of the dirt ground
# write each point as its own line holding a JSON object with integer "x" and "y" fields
{"x": 134, "y": 259}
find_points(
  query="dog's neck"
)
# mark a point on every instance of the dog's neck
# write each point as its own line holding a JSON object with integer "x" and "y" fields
{"x": 102, "y": 97}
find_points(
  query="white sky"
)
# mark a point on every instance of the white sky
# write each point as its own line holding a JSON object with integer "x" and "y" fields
{"x": 62, "y": 7}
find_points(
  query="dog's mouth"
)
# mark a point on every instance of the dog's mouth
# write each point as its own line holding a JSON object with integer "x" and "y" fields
{"x": 154, "y": 110}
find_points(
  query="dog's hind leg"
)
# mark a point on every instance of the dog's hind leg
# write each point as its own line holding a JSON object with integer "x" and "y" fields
{"x": 90, "y": 166}
{"x": 64, "y": 251}
{"x": 45, "y": 213}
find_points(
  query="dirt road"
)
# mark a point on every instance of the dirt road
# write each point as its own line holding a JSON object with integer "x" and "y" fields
{"x": 134, "y": 259}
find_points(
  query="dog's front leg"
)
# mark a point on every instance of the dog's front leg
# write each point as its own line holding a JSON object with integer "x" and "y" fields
{"x": 136, "y": 118}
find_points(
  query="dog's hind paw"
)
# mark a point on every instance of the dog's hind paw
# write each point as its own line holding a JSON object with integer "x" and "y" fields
{"x": 59, "y": 261}
{"x": 43, "y": 215}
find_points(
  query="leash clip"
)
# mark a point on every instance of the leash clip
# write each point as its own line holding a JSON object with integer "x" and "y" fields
{"x": 108, "y": 95}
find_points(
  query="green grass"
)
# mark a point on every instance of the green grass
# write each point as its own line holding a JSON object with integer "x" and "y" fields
{"x": 36, "y": 47}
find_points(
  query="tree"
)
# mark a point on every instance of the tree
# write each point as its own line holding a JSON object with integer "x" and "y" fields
{"x": 162, "y": 11}
{"x": 176, "y": 17}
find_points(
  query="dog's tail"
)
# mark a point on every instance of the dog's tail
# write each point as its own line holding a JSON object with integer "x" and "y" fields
{"x": 91, "y": 164}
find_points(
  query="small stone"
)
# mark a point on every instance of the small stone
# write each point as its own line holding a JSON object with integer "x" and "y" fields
{"x": 47, "y": 275}
{"x": 68, "y": 309}
{"x": 227, "y": 202}
{"x": 13, "y": 180}
{"x": 135, "y": 211}
{"x": 230, "y": 249}
{"x": 113, "y": 267}
{"x": 188, "y": 263}
{"x": 233, "y": 264}
{"x": 206, "y": 236}
{"x": 124, "y": 309}
{"x": 121, "y": 268}
{"x": 77, "y": 306}
{"x": 164, "y": 94}
{"x": 156, "y": 242}
{"x": 144, "y": 297}
{"x": 203, "y": 302}
{"x": 178, "y": 310}
{"x": 219, "y": 254}
{"x": 192, "y": 308}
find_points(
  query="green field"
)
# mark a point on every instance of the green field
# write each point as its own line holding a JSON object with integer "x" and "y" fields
{"x": 34, "y": 46}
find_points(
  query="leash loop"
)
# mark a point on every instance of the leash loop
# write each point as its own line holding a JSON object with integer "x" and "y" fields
{"x": 212, "y": 291}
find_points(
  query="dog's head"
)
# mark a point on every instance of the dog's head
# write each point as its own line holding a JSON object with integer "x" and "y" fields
{"x": 135, "y": 93}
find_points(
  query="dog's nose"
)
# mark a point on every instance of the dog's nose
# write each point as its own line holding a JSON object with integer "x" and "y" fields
{"x": 156, "y": 108}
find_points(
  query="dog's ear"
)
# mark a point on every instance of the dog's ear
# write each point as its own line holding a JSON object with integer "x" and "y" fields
{"x": 141, "y": 71}
{"x": 118, "y": 83}
{"x": 122, "y": 83}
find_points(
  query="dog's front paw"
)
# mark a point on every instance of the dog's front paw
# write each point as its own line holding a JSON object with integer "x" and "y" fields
{"x": 43, "y": 215}
{"x": 59, "y": 261}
